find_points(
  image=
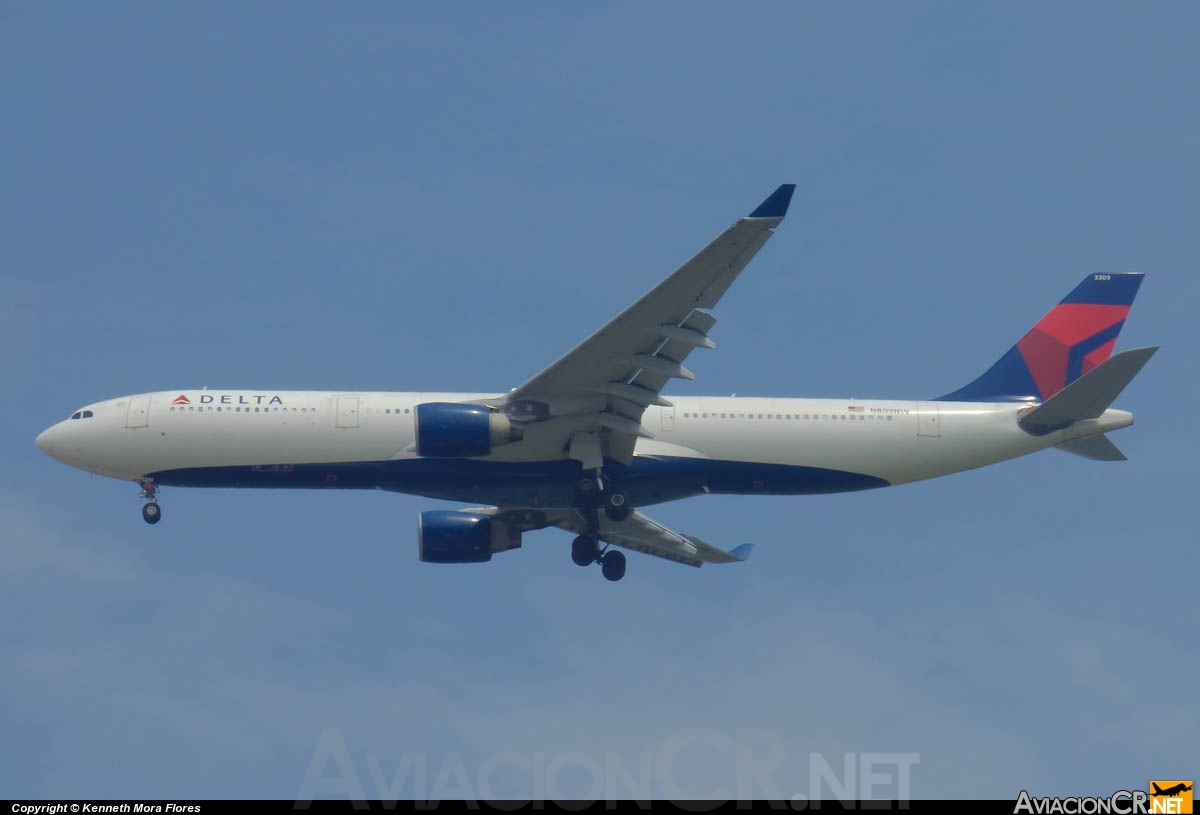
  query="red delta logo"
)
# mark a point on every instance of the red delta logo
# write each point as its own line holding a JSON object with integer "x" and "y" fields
{"x": 181, "y": 400}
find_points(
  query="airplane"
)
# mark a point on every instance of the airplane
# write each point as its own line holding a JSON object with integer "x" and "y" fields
{"x": 591, "y": 440}
{"x": 1170, "y": 791}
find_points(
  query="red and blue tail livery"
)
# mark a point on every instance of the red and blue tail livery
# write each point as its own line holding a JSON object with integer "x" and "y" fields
{"x": 1073, "y": 338}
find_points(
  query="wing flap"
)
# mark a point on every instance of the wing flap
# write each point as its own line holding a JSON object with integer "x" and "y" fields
{"x": 676, "y": 347}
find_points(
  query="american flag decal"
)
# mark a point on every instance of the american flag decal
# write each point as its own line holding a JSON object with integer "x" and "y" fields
{"x": 856, "y": 409}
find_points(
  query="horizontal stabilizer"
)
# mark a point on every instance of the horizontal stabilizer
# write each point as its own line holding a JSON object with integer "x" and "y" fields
{"x": 1089, "y": 395}
{"x": 1097, "y": 448}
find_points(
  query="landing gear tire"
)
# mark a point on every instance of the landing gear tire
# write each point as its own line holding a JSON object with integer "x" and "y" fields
{"x": 616, "y": 506}
{"x": 151, "y": 514}
{"x": 613, "y": 566}
{"x": 617, "y": 514}
{"x": 586, "y": 485}
{"x": 584, "y": 551}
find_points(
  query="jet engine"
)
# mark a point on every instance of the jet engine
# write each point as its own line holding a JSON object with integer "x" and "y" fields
{"x": 447, "y": 536}
{"x": 453, "y": 430}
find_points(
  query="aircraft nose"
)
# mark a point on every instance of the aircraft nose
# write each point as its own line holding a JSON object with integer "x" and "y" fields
{"x": 49, "y": 441}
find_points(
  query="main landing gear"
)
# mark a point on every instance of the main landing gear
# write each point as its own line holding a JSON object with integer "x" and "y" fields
{"x": 151, "y": 512}
{"x": 614, "y": 502}
{"x": 585, "y": 551}
{"x": 595, "y": 494}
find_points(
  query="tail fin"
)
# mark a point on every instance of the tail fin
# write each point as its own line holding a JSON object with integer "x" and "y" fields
{"x": 1073, "y": 338}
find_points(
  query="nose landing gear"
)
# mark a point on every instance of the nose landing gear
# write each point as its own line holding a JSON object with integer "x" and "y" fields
{"x": 151, "y": 512}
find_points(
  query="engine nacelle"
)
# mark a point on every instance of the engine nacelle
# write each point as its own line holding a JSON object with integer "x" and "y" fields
{"x": 446, "y": 536}
{"x": 451, "y": 430}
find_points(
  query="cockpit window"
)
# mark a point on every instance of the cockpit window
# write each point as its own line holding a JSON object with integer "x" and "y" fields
{"x": 87, "y": 414}
{"x": 77, "y": 414}
{"x": 81, "y": 414}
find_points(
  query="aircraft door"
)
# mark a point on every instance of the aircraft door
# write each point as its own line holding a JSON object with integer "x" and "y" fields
{"x": 138, "y": 414}
{"x": 929, "y": 420}
{"x": 668, "y": 418}
{"x": 347, "y": 411}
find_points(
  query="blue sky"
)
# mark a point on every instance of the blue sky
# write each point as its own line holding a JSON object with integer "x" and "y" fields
{"x": 381, "y": 196}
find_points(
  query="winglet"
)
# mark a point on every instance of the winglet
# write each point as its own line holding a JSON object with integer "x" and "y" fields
{"x": 742, "y": 552}
{"x": 776, "y": 205}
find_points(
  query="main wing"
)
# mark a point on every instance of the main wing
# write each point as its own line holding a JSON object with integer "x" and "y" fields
{"x": 642, "y": 534}
{"x": 592, "y": 398}
{"x": 637, "y": 532}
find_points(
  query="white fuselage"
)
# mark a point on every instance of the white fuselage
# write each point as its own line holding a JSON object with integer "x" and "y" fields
{"x": 311, "y": 439}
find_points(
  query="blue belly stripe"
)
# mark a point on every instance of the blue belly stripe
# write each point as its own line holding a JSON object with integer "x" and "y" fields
{"x": 648, "y": 480}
